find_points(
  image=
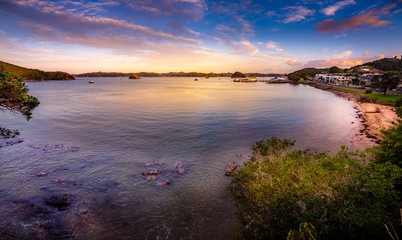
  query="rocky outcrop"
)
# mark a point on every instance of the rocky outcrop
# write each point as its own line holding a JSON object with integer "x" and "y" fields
{"x": 230, "y": 168}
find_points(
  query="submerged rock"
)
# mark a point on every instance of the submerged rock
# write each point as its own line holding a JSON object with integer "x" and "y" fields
{"x": 7, "y": 143}
{"x": 61, "y": 202}
{"x": 68, "y": 183}
{"x": 230, "y": 168}
{"x": 56, "y": 148}
{"x": 154, "y": 164}
{"x": 151, "y": 172}
{"x": 164, "y": 183}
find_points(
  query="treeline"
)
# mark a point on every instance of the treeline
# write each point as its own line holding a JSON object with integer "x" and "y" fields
{"x": 304, "y": 73}
{"x": 386, "y": 64}
{"x": 34, "y": 74}
{"x": 171, "y": 74}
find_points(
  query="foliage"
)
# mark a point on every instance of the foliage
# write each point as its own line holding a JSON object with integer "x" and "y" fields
{"x": 35, "y": 74}
{"x": 304, "y": 73}
{"x": 390, "y": 99}
{"x": 386, "y": 64}
{"x": 238, "y": 75}
{"x": 388, "y": 80}
{"x": 332, "y": 197}
{"x": 368, "y": 91}
{"x": 335, "y": 69}
{"x": 14, "y": 95}
{"x": 390, "y": 147}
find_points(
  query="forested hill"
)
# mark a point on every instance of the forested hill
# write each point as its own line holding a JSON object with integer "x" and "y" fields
{"x": 35, "y": 74}
{"x": 304, "y": 73}
{"x": 386, "y": 64}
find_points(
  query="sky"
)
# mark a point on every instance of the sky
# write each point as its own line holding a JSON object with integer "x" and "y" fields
{"x": 266, "y": 36}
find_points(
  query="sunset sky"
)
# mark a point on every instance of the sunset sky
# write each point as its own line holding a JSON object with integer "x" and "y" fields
{"x": 266, "y": 36}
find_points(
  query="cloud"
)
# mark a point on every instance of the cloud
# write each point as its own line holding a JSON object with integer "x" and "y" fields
{"x": 367, "y": 53}
{"x": 293, "y": 62}
{"x": 343, "y": 55}
{"x": 297, "y": 13}
{"x": 370, "y": 18}
{"x": 186, "y": 9}
{"x": 331, "y": 10}
{"x": 38, "y": 13}
{"x": 341, "y": 62}
{"x": 273, "y": 45}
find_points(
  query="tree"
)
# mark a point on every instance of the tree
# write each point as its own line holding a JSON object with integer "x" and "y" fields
{"x": 281, "y": 193}
{"x": 388, "y": 80}
{"x": 335, "y": 69}
{"x": 238, "y": 75}
{"x": 14, "y": 97}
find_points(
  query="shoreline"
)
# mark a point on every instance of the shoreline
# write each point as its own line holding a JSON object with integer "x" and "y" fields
{"x": 374, "y": 116}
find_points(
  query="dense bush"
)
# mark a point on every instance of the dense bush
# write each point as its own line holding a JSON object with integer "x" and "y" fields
{"x": 299, "y": 195}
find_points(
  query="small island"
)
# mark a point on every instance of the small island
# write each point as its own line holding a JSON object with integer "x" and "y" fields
{"x": 133, "y": 76}
{"x": 238, "y": 75}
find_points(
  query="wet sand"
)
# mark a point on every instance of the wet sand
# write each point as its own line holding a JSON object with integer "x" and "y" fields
{"x": 374, "y": 117}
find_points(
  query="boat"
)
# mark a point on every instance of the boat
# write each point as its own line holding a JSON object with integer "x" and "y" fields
{"x": 91, "y": 81}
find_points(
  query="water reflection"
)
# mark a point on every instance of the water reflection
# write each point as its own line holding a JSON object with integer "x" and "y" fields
{"x": 119, "y": 125}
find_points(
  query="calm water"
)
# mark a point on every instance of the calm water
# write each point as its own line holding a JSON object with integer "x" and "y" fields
{"x": 119, "y": 125}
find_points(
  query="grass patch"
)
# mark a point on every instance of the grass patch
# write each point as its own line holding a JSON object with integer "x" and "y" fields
{"x": 389, "y": 99}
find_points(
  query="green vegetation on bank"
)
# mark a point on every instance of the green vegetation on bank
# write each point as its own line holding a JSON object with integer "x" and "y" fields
{"x": 14, "y": 97}
{"x": 291, "y": 194}
{"x": 390, "y": 99}
{"x": 35, "y": 74}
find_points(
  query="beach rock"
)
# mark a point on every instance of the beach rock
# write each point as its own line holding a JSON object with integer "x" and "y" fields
{"x": 182, "y": 167}
{"x": 230, "y": 168}
{"x": 68, "y": 183}
{"x": 61, "y": 201}
{"x": 164, "y": 183}
{"x": 151, "y": 177}
{"x": 83, "y": 211}
{"x": 41, "y": 174}
{"x": 151, "y": 172}
{"x": 154, "y": 164}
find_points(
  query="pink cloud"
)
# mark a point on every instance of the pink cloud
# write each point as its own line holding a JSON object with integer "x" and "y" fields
{"x": 293, "y": 62}
{"x": 370, "y": 18}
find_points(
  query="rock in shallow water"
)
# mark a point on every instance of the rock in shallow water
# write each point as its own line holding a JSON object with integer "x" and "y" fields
{"x": 61, "y": 202}
{"x": 151, "y": 172}
{"x": 230, "y": 168}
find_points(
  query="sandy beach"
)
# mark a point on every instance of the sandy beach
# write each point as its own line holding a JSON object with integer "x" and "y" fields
{"x": 374, "y": 117}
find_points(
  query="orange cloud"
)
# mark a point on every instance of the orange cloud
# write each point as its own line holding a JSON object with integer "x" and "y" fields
{"x": 367, "y": 53}
{"x": 293, "y": 62}
{"x": 370, "y": 18}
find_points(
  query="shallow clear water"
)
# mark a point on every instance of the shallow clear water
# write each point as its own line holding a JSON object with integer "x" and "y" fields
{"x": 119, "y": 125}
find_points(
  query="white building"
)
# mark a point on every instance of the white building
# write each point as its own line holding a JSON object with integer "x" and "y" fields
{"x": 338, "y": 78}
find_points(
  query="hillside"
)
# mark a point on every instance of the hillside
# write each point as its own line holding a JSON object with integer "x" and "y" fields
{"x": 35, "y": 74}
{"x": 385, "y": 64}
{"x": 304, "y": 73}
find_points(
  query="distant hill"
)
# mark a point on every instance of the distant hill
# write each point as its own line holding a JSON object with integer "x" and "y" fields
{"x": 35, "y": 74}
{"x": 385, "y": 64}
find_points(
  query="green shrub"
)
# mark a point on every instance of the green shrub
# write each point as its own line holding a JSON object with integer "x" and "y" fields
{"x": 338, "y": 196}
{"x": 368, "y": 91}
